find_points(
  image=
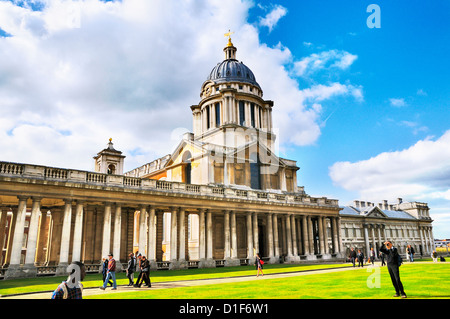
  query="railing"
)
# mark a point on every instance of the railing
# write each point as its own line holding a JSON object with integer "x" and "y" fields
{"x": 193, "y": 263}
{"x": 163, "y": 265}
{"x": 46, "y": 270}
{"x": 12, "y": 170}
{"x": 220, "y": 263}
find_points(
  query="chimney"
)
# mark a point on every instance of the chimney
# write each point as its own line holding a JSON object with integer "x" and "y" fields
{"x": 385, "y": 204}
{"x": 400, "y": 200}
{"x": 356, "y": 203}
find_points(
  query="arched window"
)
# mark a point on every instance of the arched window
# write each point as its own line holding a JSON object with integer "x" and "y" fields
{"x": 111, "y": 169}
{"x": 255, "y": 171}
{"x": 187, "y": 167}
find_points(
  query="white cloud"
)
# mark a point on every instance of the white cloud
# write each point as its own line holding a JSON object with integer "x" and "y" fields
{"x": 324, "y": 60}
{"x": 397, "y": 102}
{"x": 272, "y": 18}
{"x": 76, "y": 73}
{"x": 421, "y": 171}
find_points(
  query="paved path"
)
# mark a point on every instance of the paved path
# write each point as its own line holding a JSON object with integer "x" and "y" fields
{"x": 183, "y": 283}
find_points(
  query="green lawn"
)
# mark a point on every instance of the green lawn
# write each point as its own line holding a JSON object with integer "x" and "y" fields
{"x": 421, "y": 280}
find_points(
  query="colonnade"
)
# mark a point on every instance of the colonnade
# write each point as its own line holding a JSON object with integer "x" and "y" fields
{"x": 231, "y": 237}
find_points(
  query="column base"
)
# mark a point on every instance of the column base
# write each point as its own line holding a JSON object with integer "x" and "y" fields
{"x": 311, "y": 257}
{"x": 274, "y": 260}
{"x": 207, "y": 263}
{"x": 231, "y": 262}
{"x": 178, "y": 264}
{"x": 61, "y": 269}
{"x": 21, "y": 271}
{"x": 292, "y": 259}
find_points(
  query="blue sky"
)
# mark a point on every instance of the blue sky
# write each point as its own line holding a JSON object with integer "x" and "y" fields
{"x": 364, "y": 111}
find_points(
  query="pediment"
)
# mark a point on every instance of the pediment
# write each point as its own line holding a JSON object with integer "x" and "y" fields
{"x": 376, "y": 213}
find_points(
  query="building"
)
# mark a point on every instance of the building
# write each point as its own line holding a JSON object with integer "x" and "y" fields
{"x": 218, "y": 199}
{"x": 366, "y": 225}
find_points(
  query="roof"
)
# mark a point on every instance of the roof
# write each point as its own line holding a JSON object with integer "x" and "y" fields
{"x": 231, "y": 70}
{"x": 368, "y": 211}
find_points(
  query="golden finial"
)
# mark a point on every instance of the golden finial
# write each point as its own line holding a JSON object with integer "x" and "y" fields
{"x": 110, "y": 139}
{"x": 228, "y": 34}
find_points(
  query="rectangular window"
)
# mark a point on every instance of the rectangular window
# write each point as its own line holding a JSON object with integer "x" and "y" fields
{"x": 217, "y": 114}
{"x": 241, "y": 113}
{"x": 252, "y": 113}
{"x": 207, "y": 117}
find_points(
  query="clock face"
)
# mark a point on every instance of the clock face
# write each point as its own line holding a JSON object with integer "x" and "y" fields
{"x": 208, "y": 91}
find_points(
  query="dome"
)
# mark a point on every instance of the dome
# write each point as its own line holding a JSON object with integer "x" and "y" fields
{"x": 231, "y": 70}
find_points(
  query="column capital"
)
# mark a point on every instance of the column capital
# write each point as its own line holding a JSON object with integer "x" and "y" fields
{"x": 36, "y": 198}
{"x": 23, "y": 197}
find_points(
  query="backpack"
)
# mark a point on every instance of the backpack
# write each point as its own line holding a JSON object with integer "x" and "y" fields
{"x": 63, "y": 285}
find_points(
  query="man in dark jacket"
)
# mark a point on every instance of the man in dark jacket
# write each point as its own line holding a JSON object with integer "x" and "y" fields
{"x": 131, "y": 269}
{"x": 353, "y": 256}
{"x": 393, "y": 268}
{"x": 144, "y": 274}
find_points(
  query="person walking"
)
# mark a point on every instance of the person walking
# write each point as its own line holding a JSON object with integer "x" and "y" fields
{"x": 138, "y": 266}
{"x": 360, "y": 257}
{"x": 352, "y": 256}
{"x": 144, "y": 275}
{"x": 372, "y": 255}
{"x": 259, "y": 265}
{"x": 382, "y": 257}
{"x": 72, "y": 287}
{"x": 411, "y": 253}
{"x": 105, "y": 270}
{"x": 131, "y": 268}
{"x": 434, "y": 256}
{"x": 111, "y": 272}
{"x": 393, "y": 267}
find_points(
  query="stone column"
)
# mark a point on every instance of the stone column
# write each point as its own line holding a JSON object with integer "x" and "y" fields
{"x": 209, "y": 239}
{"x": 299, "y": 236}
{"x": 275, "y": 237}
{"x": 142, "y": 229}
{"x": 17, "y": 244}
{"x": 270, "y": 237}
{"x": 65, "y": 236}
{"x": 151, "y": 245}
{"x": 77, "y": 232}
{"x": 250, "y": 254}
{"x": 373, "y": 241}
{"x": 310, "y": 236}
{"x": 255, "y": 233}
{"x": 3, "y": 215}
{"x": 182, "y": 239}
{"x": 202, "y": 242}
{"x": 233, "y": 236}
{"x": 305, "y": 235}
{"x": 173, "y": 234}
{"x": 117, "y": 236}
{"x": 294, "y": 236}
{"x": 421, "y": 240}
{"x": 33, "y": 232}
{"x": 106, "y": 249}
{"x": 288, "y": 235}
{"x": 325, "y": 236}
{"x": 321, "y": 236}
{"x": 366, "y": 239}
{"x": 226, "y": 253}
{"x": 335, "y": 235}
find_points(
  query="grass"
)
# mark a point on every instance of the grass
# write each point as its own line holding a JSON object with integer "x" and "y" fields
{"x": 421, "y": 281}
